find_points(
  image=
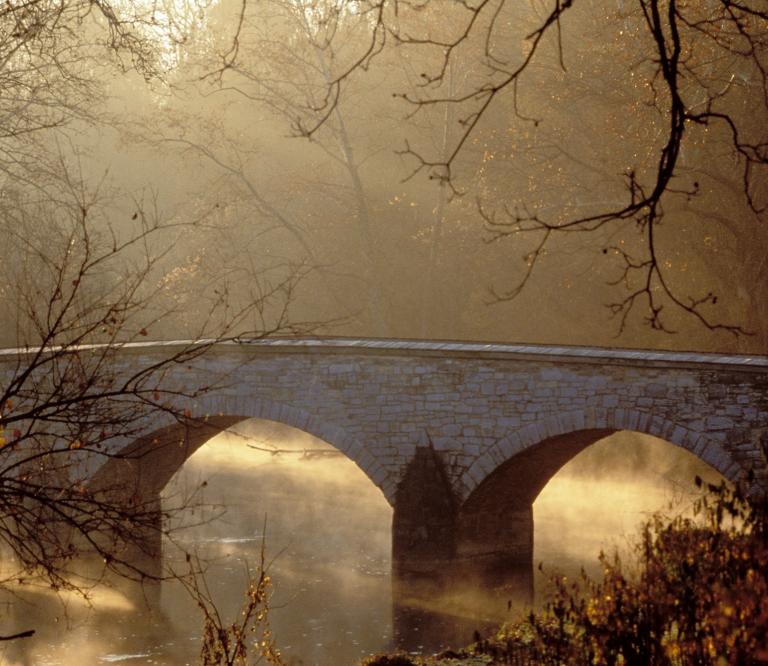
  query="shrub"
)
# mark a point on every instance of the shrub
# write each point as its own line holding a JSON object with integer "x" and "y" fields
{"x": 389, "y": 660}
{"x": 700, "y": 596}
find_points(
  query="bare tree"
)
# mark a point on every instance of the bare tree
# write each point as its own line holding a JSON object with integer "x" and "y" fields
{"x": 80, "y": 283}
{"x": 344, "y": 187}
{"x": 701, "y": 67}
{"x": 283, "y": 58}
{"x": 79, "y": 293}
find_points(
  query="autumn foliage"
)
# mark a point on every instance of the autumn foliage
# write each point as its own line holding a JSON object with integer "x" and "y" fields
{"x": 698, "y": 595}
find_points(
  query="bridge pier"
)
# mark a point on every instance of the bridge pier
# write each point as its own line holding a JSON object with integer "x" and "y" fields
{"x": 144, "y": 548}
{"x": 494, "y": 555}
{"x": 454, "y": 569}
{"x": 423, "y": 528}
{"x": 423, "y": 549}
{"x": 137, "y": 552}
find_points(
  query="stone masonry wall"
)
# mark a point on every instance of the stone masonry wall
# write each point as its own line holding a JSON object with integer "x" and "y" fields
{"x": 478, "y": 405}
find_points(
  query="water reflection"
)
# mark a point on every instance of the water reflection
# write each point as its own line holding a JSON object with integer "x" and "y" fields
{"x": 328, "y": 542}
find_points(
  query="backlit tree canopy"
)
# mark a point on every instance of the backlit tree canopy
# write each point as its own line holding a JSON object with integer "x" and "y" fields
{"x": 641, "y": 121}
{"x": 596, "y": 152}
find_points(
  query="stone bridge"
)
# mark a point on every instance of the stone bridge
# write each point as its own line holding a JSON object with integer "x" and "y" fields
{"x": 462, "y": 437}
{"x": 459, "y": 437}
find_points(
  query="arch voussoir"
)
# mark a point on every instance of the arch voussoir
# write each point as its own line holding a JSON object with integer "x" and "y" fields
{"x": 229, "y": 410}
{"x": 603, "y": 420}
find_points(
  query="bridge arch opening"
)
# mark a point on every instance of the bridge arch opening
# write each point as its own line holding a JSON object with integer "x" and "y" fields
{"x": 562, "y": 498}
{"x": 142, "y": 468}
{"x": 355, "y": 524}
{"x": 327, "y": 537}
{"x": 598, "y": 500}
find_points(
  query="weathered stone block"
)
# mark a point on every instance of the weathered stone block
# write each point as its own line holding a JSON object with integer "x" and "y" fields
{"x": 718, "y": 423}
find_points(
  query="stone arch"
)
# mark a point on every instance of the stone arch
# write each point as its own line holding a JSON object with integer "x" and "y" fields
{"x": 594, "y": 424}
{"x": 494, "y": 524}
{"x": 142, "y": 468}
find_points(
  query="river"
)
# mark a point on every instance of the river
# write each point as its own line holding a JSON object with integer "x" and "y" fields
{"x": 325, "y": 530}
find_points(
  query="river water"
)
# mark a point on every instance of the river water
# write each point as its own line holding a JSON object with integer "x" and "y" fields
{"x": 325, "y": 530}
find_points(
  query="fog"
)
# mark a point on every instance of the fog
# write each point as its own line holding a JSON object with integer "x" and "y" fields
{"x": 600, "y": 499}
{"x": 345, "y": 228}
{"x": 326, "y": 531}
{"x": 217, "y": 168}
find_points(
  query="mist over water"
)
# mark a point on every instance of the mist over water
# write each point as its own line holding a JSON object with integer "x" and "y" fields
{"x": 328, "y": 548}
{"x": 327, "y": 542}
{"x": 599, "y": 500}
{"x": 157, "y": 184}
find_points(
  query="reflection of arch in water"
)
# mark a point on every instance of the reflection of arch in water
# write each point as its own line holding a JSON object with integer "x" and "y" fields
{"x": 142, "y": 468}
{"x": 494, "y": 525}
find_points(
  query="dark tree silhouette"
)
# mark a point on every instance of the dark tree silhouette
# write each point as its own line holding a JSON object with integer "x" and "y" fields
{"x": 702, "y": 66}
{"x": 78, "y": 288}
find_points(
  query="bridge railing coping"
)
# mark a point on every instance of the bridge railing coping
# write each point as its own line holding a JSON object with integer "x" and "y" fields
{"x": 576, "y": 353}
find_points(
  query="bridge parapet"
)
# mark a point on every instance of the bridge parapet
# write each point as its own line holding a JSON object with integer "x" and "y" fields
{"x": 478, "y": 404}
